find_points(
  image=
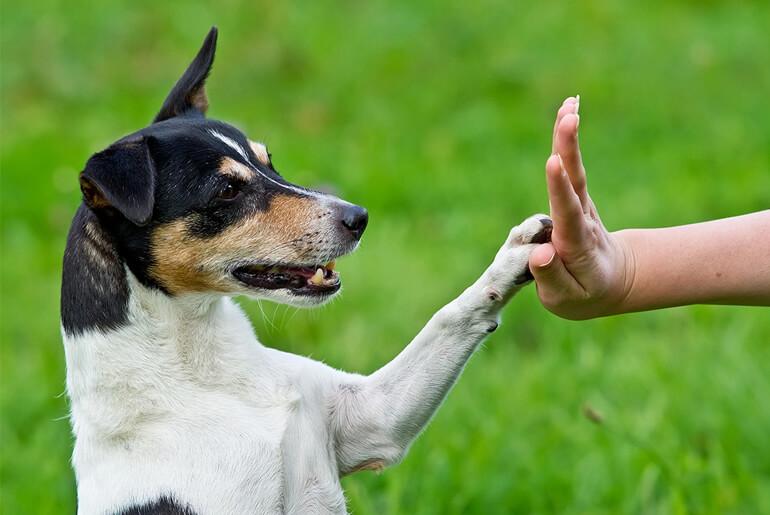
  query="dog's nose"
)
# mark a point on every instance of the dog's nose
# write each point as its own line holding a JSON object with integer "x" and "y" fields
{"x": 355, "y": 218}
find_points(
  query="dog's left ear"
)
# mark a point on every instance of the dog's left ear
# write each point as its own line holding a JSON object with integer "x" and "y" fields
{"x": 189, "y": 93}
{"x": 121, "y": 178}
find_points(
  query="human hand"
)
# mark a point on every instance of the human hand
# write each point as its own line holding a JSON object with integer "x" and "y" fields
{"x": 585, "y": 271}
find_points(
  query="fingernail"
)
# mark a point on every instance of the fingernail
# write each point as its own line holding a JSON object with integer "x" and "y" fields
{"x": 547, "y": 263}
{"x": 577, "y": 123}
{"x": 577, "y": 104}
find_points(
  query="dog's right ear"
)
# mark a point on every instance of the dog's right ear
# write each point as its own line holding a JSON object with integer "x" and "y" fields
{"x": 122, "y": 178}
{"x": 189, "y": 93}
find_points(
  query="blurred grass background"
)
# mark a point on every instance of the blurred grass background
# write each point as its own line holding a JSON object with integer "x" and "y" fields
{"x": 436, "y": 116}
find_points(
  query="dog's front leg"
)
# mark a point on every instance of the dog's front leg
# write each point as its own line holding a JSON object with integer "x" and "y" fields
{"x": 375, "y": 418}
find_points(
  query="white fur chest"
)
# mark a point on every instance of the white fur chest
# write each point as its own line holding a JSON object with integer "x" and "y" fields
{"x": 217, "y": 460}
{"x": 202, "y": 413}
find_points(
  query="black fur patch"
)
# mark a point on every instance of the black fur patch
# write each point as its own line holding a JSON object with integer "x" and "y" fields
{"x": 124, "y": 176}
{"x": 94, "y": 291}
{"x": 188, "y": 157}
{"x": 163, "y": 506}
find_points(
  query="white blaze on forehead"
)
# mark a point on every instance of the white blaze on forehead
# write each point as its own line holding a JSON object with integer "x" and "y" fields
{"x": 260, "y": 150}
{"x": 230, "y": 142}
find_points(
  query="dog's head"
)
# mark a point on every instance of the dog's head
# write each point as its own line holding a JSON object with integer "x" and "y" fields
{"x": 194, "y": 206}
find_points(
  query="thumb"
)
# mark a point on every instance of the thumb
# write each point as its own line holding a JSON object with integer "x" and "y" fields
{"x": 554, "y": 282}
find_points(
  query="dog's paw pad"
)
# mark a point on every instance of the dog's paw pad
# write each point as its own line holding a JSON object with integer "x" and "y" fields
{"x": 544, "y": 234}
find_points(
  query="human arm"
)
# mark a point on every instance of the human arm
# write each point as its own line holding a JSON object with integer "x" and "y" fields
{"x": 723, "y": 261}
{"x": 590, "y": 272}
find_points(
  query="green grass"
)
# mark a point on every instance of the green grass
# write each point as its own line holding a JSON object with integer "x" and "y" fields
{"x": 437, "y": 117}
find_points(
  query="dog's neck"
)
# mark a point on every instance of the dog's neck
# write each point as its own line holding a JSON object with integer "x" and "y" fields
{"x": 100, "y": 293}
{"x": 120, "y": 333}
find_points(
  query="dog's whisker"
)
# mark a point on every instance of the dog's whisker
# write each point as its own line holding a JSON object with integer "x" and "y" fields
{"x": 266, "y": 318}
{"x": 293, "y": 311}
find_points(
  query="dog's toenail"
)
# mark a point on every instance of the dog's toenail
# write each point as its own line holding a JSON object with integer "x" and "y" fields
{"x": 547, "y": 222}
{"x": 492, "y": 327}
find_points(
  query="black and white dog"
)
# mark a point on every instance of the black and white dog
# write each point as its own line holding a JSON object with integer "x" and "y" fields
{"x": 176, "y": 407}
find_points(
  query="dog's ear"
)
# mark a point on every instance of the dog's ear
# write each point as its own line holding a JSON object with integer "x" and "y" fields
{"x": 122, "y": 178}
{"x": 189, "y": 93}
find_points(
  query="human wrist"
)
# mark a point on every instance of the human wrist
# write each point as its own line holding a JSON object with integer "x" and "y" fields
{"x": 628, "y": 243}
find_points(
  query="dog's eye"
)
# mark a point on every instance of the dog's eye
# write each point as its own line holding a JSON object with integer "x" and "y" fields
{"x": 229, "y": 192}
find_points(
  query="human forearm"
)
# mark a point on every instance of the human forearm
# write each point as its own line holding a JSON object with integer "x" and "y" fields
{"x": 718, "y": 262}
{"x": 588, "y": 272}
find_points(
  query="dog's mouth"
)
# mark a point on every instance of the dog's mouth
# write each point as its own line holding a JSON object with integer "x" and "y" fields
{"x": 300, "y": 280}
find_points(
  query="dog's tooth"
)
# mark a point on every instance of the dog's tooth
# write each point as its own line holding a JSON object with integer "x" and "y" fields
{"x": 318, "y": 277}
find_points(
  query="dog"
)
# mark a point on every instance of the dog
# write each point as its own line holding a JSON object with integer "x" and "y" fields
{"x": 176, "y": 407}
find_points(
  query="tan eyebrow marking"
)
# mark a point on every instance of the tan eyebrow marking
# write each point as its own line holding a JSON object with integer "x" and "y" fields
{"x": 260, "y": 150}
{"x": 231, "y": 167}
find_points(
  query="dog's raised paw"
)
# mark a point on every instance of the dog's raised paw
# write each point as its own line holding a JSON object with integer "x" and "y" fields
{"x": 543, "y": 235}
{"x": 535, "y": 229}
{"x": 514, "y": 255}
